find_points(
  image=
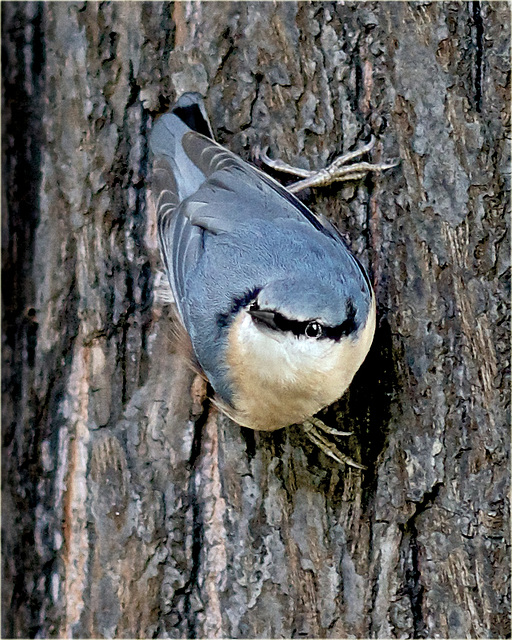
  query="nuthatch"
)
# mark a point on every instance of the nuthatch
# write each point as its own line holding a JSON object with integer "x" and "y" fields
{"x": 279, "y": 312}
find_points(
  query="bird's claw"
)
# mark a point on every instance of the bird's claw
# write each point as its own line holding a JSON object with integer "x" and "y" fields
{"x": 313, "y": 427}
{"x": 337, "y": 171}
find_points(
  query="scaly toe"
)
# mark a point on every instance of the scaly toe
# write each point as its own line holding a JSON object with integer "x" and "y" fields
{"x": 327, "y": 447}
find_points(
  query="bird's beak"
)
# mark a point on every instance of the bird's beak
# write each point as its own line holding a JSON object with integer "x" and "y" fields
{"x": 264, "y": 316}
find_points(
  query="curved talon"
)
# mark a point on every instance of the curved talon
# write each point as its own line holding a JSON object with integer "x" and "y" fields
{"x": 336, "y": 432}
{"x": 330, "y": 449}
{"x": 350, "y": 155}
{"x": 317, "y": 423}
{"x": 371, "y": 142}
{"x": 279, "y": 165}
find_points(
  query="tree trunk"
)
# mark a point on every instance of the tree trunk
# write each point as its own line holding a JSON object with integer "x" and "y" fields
{"x": 130, "y": 507}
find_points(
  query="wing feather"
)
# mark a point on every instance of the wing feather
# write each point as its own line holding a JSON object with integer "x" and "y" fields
{"x": 202, "y": 188}
{"x": 210, "y": 158}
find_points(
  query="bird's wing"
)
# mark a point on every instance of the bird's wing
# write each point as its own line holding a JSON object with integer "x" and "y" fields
{"x": 233, "y": 174}
{"x": 235, "y": 190}
{"x": 201, "y": 188}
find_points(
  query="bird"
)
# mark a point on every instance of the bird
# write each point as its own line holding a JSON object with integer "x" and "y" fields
{"x": 279, "y": 312}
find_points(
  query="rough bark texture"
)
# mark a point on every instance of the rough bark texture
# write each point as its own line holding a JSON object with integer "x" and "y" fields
{"x": 132, "y": 510}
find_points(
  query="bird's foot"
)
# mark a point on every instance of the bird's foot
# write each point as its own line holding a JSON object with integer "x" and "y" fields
{"x": 313, "y": 428}
{"x": 337, "y": 171}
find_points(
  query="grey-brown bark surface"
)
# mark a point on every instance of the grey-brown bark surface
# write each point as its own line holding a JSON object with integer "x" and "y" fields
{"x": 128, "y": 509}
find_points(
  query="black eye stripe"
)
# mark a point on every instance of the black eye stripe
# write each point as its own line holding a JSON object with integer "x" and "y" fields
{"x": 299, "y": 328}
{"x": 223, "y": 319}
{"x": 343, "y": 329}
{"x": 295, "y": 326}
{"x": 310, "y": 328}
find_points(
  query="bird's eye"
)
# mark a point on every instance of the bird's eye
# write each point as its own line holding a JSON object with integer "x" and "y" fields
{"x": 313, "y": 330}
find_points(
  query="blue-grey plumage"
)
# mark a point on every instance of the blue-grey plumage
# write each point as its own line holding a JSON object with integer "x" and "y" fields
{"x": 279, "y": 312}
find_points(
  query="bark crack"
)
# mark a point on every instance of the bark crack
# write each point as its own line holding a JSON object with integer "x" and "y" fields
{"x": 192, "y": 586}
{"x": 479, "y": 54}
{"x": 413, "y": 586}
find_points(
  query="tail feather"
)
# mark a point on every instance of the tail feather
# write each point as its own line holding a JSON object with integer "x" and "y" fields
{"x": 190, "y": 109}
{"x": 166, "y": 144}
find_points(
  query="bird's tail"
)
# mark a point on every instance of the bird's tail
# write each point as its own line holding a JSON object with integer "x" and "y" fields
{"x": 173, "y": 171}
{"x": 190, "y": 109}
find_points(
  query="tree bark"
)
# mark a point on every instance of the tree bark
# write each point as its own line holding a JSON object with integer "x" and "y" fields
{"x": 130, "y": 508}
